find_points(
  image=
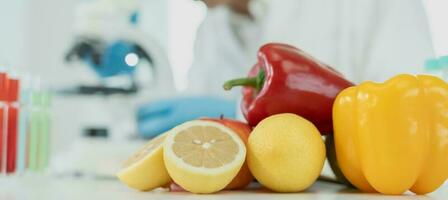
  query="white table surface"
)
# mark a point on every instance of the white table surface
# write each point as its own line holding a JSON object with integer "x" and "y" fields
{"x": 43, "y": 187}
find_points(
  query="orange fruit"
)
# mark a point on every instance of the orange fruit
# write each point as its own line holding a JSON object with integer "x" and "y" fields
{"x": 244, "y": 177}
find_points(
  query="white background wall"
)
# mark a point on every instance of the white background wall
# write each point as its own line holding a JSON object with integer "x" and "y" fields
{"x": 12, "y": 31}
{"x": 438, "y": 14}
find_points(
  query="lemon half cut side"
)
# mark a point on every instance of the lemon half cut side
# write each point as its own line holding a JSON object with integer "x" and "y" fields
{"x": 203, "y": 156}
{"x": 145, "y": 170}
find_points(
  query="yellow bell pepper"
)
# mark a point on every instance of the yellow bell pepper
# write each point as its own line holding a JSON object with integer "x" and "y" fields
{"x": 392, "y": 137}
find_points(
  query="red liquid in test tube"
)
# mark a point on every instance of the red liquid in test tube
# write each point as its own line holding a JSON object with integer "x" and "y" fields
{"x": 1, "y": 139}
{"x": 3, "y": 97}
{"x": 11, "y": 155}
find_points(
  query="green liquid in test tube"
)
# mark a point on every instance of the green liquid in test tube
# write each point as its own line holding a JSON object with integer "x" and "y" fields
{"x": 44, "y": 130}
{"x": 34, "y": 135}
{"x": 39, "y": 141}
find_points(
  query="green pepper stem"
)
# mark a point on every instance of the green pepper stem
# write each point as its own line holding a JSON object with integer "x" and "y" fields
{"x": 255, "y": 82}
{"x": 251, "y": 82}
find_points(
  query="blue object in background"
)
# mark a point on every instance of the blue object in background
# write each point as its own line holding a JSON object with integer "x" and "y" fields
{"x": 113, "y": 60}
{"x": 438, "y": 65}
{"x": 133, "y": 19}
{"x": 443, "y": 61}
{"x": 160, "y": 116}
{"x": 432, "y": 64}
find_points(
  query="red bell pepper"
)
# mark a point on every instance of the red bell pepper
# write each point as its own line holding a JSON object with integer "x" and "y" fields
{"x": 287, "y": 80}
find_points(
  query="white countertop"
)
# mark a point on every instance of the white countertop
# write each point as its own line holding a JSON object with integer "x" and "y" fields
{"x": 43, "y": 187}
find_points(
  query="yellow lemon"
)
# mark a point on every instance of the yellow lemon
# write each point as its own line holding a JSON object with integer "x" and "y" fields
{"x": 145, "y": 170}
{"x": 203, "y": 156}
{"x": 285, "y": 153}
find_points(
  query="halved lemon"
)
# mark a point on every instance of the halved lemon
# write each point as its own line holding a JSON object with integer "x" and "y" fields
{"x": 203, "y": 156}
{"x": 145, "y": 170}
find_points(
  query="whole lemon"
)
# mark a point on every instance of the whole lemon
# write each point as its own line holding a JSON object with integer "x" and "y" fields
{"x": 285, "y": 153}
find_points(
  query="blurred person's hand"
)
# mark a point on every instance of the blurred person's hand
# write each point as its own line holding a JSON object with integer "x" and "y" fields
{"x": 157, "y": 117}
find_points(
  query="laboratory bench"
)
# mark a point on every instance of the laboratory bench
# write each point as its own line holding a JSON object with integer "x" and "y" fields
{"x": 52, "y": 188}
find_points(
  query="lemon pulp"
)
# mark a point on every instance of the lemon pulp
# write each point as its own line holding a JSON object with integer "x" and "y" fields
{"x": 145, "y": 170}
{"x": 145, "y": 150}
{"x": 203, "y": 156}
{"x": 205, "y": 146}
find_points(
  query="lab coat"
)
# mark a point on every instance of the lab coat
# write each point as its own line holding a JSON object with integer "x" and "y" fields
{"x": 220, "y": 51}
{"x": 363, "y": 39}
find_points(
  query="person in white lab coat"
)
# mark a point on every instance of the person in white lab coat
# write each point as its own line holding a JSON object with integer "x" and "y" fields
{"x": 363, "y": 39}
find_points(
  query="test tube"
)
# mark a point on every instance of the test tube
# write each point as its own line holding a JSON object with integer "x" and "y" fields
{"x": 39, "y": 128}
{"x": 3, "y": 120}
{"x": 22, "y": 139}
{"x": 12, "y": 124}
{"x": 33, "y": 141}
{"x": 44, "y": 125}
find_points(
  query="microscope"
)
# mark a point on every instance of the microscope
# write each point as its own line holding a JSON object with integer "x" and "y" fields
{"x": 133, "y": 97}
{"x": 128, "y": 63}
{"x": 129, "y": 68}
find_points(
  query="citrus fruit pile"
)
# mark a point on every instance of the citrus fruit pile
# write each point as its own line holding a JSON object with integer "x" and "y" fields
{"x": 284, "y": 152}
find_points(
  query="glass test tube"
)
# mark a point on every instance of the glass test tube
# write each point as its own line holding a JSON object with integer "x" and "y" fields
{"x": 23, "y": 129}
{"x": 3, "y": 120}
{"x": 12, "y": 124}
